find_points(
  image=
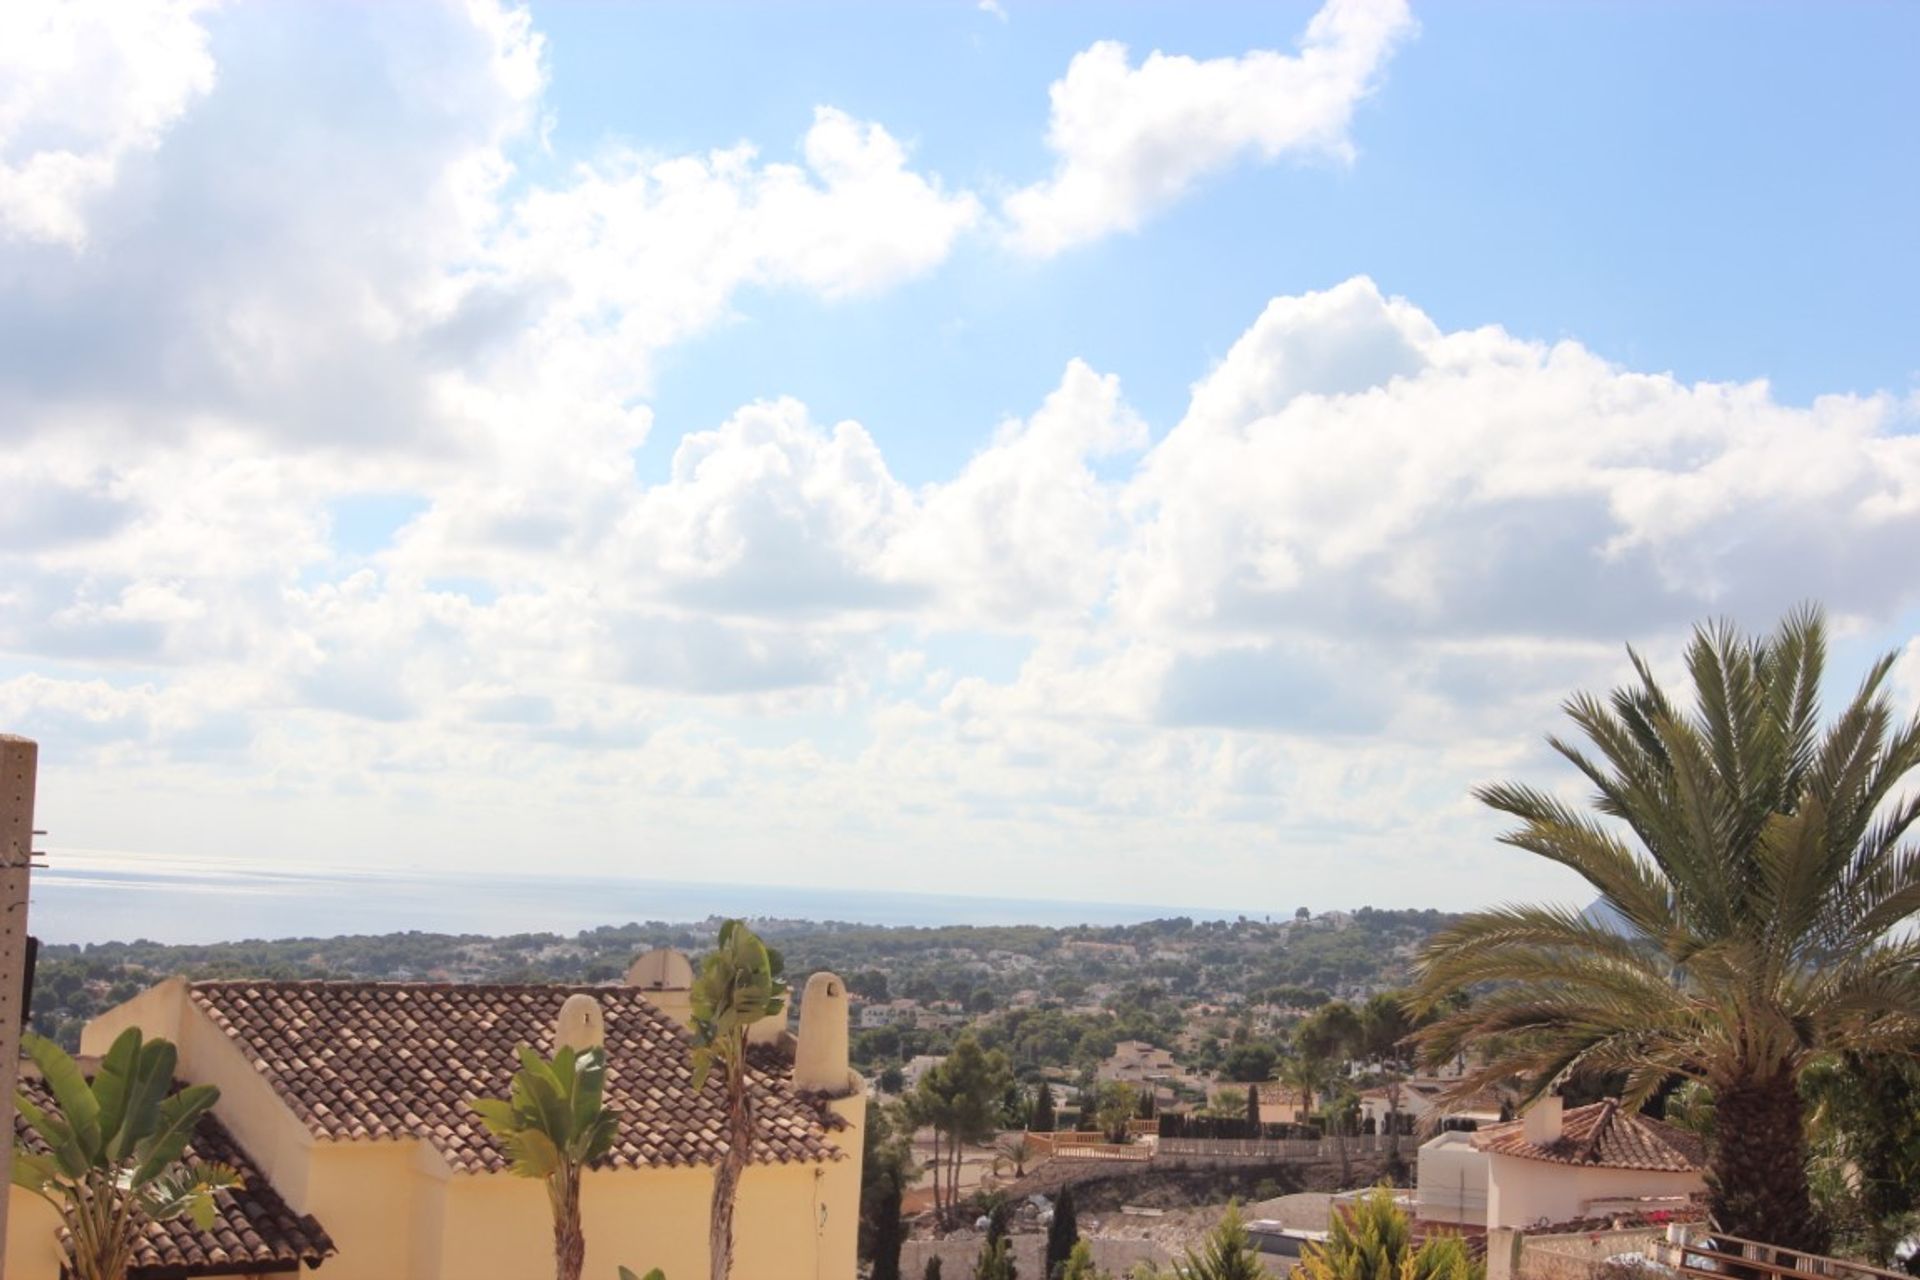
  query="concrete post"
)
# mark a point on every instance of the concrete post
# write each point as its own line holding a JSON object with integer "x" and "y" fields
{"x": 19, "y": 767}
{"x": 1503, "y": 1253}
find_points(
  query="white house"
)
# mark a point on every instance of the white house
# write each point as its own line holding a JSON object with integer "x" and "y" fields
{"x": 1424, "y": 1100}
{"x": 1551, "y": 1166}
{"x": 1450, "y": 1181}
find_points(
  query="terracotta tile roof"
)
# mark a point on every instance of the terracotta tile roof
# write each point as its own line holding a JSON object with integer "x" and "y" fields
{"x": 253, "y": 1231}
{"x": 392, "y": 1060}
{"x": 1602, "y": 1135}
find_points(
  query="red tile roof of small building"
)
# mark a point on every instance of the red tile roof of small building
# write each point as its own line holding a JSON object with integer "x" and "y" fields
{"x": 253, "y": 1229}
{"x": 1602, "y": 1135}
{"x": 394, "y": 1060}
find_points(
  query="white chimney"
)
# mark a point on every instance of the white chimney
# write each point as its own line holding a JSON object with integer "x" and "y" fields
{"x": 1541, "y": 1124}
{"x": 666, "y": 976}
{"x": 582, "y": 1024}
{"x": 820, "y": 1058}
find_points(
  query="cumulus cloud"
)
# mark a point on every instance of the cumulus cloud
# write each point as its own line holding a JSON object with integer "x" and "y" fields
{"x": 661, "y": 244}
{"x": 1128, "y": 140}
{"x": 1351, "y": 467}
{"x": 82, "y": 88}
{"x": 1353, "y": 578}
{"x": 1025, "y": 531}
{"x": 303, "y": 294}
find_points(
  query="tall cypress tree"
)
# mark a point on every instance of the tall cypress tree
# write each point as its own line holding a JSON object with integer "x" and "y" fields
{"x": 1062, "y": 1233}
{"x": 1044, "y": 1117}
{"x": 889, "y": 1232}
{"x": 1253, "y": 1108}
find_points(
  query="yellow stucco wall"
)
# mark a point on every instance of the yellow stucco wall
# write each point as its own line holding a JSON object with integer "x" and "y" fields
{"x": 792, "y": 1221}
{"x": 500, "y": 1227}
{"x": 395, "y": 1210}
{"x": 33, "y": 1251}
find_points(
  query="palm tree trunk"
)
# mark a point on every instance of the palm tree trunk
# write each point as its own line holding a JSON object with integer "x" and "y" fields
{"x": 1757, "y": 1174}
{"x": 569, "y": 1241}
{"x": 726, "y": 1179}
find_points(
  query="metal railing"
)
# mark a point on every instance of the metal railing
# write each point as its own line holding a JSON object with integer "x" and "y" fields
{"x": 1712, "y": 1256}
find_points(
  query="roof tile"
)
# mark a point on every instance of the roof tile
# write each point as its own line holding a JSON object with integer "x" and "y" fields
{"x": 405, "y": 1059}
{"x": 1602, "y": 1135}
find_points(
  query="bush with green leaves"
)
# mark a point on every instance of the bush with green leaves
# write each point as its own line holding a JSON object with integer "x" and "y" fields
{"x": 996, "y": 1260}
{"x": 1079, "y": 1265}
{"x": 1374, "y": 1241}
{"x": 1228, "y": 1253}
{"x": 113, "y": 1149}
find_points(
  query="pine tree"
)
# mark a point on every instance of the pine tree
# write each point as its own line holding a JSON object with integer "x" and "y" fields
{"x": 1062, "y": 1233}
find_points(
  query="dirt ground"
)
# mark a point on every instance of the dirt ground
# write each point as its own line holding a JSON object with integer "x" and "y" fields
{"x": 1134, "y": 1213}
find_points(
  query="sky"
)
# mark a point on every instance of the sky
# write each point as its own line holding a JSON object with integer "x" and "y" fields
{"x": 1143, "y": 453}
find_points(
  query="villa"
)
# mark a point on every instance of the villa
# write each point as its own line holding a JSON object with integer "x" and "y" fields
{"x": 345, "y": 1104}
{"x": 1557, "y": 1166}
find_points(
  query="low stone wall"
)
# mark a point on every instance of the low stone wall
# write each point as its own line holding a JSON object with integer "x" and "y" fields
{"x": 1305, "y": 1151}
{"x": 1580, "y": 1256}
{"x": 958, "y": 1253}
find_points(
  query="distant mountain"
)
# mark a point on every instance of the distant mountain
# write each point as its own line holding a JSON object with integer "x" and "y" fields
{"x": 1604, "y": 914}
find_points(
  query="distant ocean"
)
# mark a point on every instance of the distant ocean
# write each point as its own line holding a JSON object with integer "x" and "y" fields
{"x": 85, "y": 897}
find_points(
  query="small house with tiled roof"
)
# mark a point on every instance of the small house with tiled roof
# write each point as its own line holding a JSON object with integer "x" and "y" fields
{"x": 1556, "y": 1165}
{"x": 350, "y": 1100}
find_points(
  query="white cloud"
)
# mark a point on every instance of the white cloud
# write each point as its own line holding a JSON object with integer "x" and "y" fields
{"x": 1129, "y": 140}
{"x": 1355, "y": 577}
{"x": 82, "y": 88}
{"x": 645, "y": 250}
{"x": 1025, "y": 532}
{"x": 1350, "y": 468}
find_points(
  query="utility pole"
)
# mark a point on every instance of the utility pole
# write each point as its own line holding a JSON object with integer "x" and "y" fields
{"x": 19, "y": 765}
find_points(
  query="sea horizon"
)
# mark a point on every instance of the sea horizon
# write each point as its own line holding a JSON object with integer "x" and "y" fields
{"x": 80, "y": 899}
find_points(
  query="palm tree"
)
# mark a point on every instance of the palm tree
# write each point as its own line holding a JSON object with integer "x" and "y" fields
{"x": 1310, "y": 1074}
{"x": 1755, "y": 882}
{"x": 1010, "y": 1152}
{"x": 113, "y": 1148}
{"x": 739, "y": 984}
{"x": 555, "y": 1125}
